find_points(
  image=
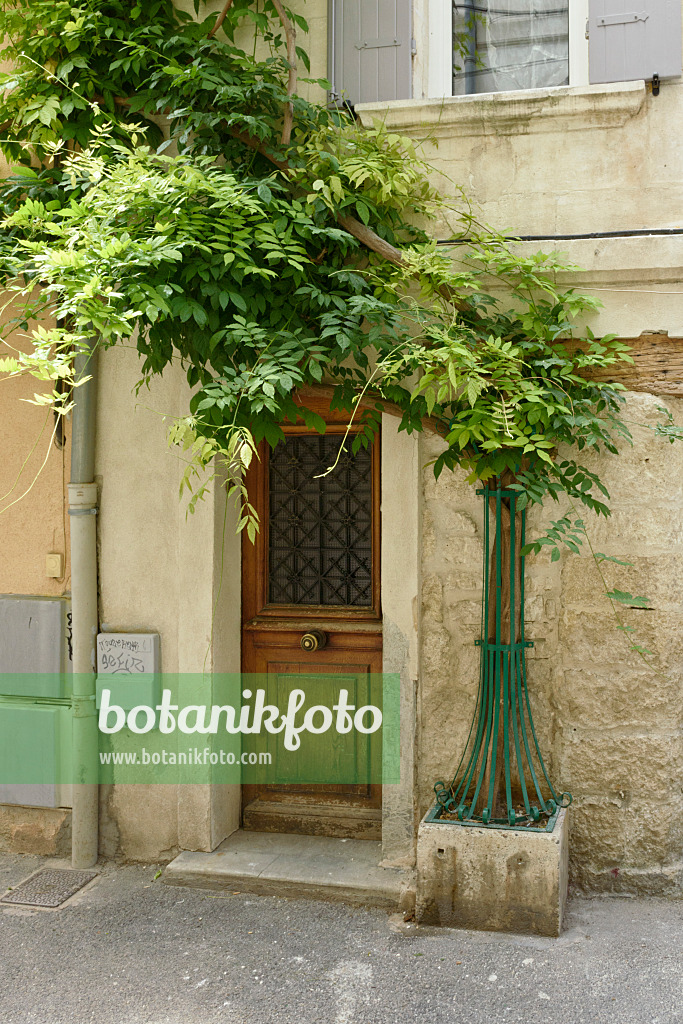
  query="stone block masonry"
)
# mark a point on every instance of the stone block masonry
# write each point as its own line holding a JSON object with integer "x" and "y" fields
{"x": 609, "y": 726}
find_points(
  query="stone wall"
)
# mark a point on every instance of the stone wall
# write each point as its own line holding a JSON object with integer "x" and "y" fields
{"x": 558, "y": 163}
{"x": 42, "y": 831}
{"x": 608, "y": 724}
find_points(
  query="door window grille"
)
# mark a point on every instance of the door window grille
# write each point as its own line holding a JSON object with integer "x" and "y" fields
{"x": 320, "y": 526}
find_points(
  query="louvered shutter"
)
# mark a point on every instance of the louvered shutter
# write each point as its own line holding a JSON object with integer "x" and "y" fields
{"x": 633, "y": 39}
{"x": 371, "y": 50}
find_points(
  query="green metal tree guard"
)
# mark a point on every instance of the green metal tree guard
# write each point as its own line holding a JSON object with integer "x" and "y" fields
{"x": 502, "y": 756}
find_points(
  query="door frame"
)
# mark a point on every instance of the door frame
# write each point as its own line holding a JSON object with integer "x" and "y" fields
{"x": 210, "y": 549}
{"x": 350, "y": 628}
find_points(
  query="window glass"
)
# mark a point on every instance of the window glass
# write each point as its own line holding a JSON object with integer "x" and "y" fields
{"x": 500, "y": 45}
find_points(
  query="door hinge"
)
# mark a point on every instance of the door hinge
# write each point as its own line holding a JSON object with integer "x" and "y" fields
{"x": 413, "y": 47}
{"x": 377, "y": 44}
{"x": 627, "y": 18}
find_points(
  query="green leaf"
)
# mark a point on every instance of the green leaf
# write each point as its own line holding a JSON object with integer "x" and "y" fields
{"x": 628, "y": 599}
{"x": 362, "y": 211}
{"x": 472, "y": 392}
{"x": 264, "y": 192}
{"x": 48, "y": 111}
{"x": 600, "y": 557}
{"x": 641, "y": 650}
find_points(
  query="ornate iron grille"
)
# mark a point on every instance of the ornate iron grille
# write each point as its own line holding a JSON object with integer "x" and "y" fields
{"x": 320, "y": 527}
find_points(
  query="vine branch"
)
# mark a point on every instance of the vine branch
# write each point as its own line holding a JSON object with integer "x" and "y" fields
{"x": 290, "y": 35}
{"x": 220, "y": 19}
{"x": 364, "y": 234}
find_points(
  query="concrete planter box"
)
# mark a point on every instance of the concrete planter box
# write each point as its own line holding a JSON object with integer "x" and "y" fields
{"x": 498, "y": 879}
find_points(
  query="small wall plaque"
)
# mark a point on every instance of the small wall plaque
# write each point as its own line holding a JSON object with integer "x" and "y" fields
{"x": 128, "y": 665}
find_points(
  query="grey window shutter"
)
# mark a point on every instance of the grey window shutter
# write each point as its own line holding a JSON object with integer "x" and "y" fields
{"x": 634, "y": 39}
{"x": 370, "y": 50}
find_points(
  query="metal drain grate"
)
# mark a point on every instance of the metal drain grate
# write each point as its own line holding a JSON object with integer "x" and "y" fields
{"x": 49, "y": 888}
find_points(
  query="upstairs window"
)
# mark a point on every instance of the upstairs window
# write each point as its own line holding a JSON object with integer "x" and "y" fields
{"x": 500, "y": 45}
{"x": 468, "y": 47}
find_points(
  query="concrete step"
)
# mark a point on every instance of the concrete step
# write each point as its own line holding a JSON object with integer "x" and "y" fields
{"x": 309, "y": 867}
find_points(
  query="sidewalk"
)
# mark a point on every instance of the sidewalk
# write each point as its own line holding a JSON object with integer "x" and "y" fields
{"x": 130, "y": 950}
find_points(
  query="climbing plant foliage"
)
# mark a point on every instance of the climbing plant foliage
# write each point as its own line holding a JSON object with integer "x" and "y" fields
{"x": 171, "y": 189}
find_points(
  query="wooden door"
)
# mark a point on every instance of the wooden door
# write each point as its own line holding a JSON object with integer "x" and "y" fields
{"x": 314, "y": 567}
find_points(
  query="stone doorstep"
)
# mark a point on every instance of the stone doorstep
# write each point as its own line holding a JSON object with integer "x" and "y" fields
{"x": 299, "y": 866}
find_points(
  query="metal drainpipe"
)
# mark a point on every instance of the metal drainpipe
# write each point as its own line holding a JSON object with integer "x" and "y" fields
{"x": 471, "y": 58}
{"x": 83, "y": 531}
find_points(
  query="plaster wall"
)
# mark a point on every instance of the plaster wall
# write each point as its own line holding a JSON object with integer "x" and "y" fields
{"x": 400, "y": 577}
{"x": 160, "y": 571}
{"x": 568, "y": 161}
{"x": 33, "y": 475}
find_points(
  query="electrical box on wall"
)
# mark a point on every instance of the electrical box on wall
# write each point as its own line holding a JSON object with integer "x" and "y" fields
{"x": 54, "y": 565}
{"x": 35, "y": 646}
{"x": 35, "y": 705}
{"x": 35, "y": 752}
{"x": 128, "y": 664}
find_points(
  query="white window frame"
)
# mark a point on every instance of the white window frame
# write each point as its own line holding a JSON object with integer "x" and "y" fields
{"x": 435, "y": 67}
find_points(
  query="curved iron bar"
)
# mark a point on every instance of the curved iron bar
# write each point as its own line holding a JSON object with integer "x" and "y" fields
{"x": 502, "y": 727}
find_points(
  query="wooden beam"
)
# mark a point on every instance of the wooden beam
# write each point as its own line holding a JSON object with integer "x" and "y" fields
{"x": 657, "y": 368}
{"x": 657, "y": 365}
{"x": 325, "y": 391}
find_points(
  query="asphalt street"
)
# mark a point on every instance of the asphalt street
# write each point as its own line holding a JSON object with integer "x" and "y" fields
{"x": 131, "y": 950}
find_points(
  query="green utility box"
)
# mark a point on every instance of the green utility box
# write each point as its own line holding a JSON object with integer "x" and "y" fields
{"x": 35, "y": 700}
{"x": 35, "y": 746}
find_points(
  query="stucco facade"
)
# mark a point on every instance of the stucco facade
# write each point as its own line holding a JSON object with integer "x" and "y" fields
{"x": 553, "y": 163}
{"x": 33, "y": 479}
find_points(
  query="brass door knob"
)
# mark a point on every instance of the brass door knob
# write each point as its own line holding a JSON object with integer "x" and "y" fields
{"x": 313, "y": 641}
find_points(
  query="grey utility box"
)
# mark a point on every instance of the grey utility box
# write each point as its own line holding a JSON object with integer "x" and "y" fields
{"x": 35, "y": 687}
{"x": 35, "y": 646}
